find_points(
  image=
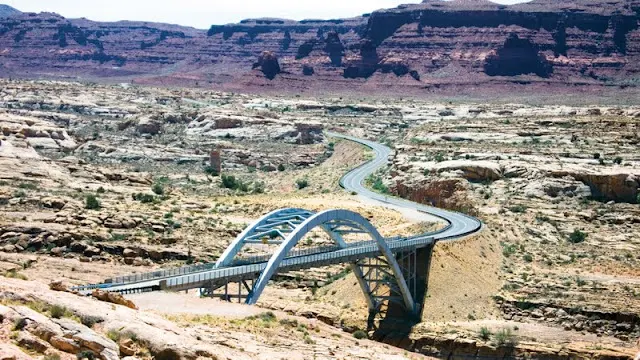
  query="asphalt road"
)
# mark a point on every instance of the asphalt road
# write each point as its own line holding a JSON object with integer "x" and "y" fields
{"x": 460, "y": 225}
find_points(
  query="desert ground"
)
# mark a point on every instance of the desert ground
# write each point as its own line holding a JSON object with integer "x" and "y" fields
{"x": 104, "y": 180}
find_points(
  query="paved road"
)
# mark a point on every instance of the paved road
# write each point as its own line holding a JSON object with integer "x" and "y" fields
{"x": 459, "y": 225}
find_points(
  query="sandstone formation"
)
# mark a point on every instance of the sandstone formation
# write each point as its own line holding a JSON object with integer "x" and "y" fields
{"x": 439, "y": 44}
{"x": 268, "y": 64}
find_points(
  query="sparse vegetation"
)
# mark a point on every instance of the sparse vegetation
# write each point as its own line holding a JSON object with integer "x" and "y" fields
{"x": 92, "y": 203}
{"x": 577, "y": 236}
{"x": 484, "y": 333}
{"x": 359, "y": 334}
{"x": 505, "y": 338}
{"x": 302, "y": 183}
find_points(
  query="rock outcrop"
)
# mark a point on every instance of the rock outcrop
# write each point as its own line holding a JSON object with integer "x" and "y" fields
{"x": 268, "y": 64}
{"x": 517, "y": 57}
{"x": 612, "y": 186}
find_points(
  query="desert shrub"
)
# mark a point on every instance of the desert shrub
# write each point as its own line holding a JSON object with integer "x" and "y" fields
{"x": 258, "y": 187}
{"x": 302, "y": 183}
{"x": 158, "y": 189}
{"x": 528, "y": 257}
{"x": 484, "y": 333}
{"x": 210, "y": 170}
{"x": 89, "y": 320}
{"x": 505, "y": 337}
{"x": 57, "y": 311}
{"x": 439, "y": 157}
{"x": 19, "y": 324}
{"x": 101, "y": 190}
{"x": 518, "y": 209}
{"x": 52, "y": 357}
{"x": 28, "y": 186}
{"x": 281, "y": 167}
{"x": 359, "y": 334}
{"x": 144, "y": 198}
{"x": 13, "y": 274}
{"x": 596, "y": 156}
{"x": 617, "y": 160}
{"x": 577, "y": 236}
{"x": 86, "y": 354}
{"x": 229, "y": 182}
{"x": 91, "y": 202}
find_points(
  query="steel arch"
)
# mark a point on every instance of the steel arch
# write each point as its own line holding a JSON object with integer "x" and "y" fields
{"x": 324, "y": 219}
{"x": 242, "y": 239}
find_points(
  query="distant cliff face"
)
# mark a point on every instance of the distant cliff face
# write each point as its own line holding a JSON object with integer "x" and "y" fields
{"x": 433, "y": 44}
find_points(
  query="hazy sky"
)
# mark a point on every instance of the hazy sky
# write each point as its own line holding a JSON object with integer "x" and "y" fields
{"x": 204, "y": 13}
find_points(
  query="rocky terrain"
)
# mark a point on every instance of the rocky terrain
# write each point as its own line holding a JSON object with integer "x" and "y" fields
{"x": 106, "y": 180}
{"x": 447, "y": 47}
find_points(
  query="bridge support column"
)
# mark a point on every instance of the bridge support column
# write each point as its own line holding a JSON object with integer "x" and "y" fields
{"x": 397, "y": 321}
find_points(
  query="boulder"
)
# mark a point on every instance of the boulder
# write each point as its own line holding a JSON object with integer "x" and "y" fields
{"x": 113, "y": 298}
{"x": 58, "y": 286}
{"x": 149, "y": 125}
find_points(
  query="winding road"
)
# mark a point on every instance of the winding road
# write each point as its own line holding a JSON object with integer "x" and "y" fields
{"x": 460, "y": 225}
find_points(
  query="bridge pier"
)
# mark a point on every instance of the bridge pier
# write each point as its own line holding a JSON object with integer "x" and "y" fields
{"x": 397, "y": 321}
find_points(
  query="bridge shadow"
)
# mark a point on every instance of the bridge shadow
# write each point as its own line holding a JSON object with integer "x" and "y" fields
{"x": 396, "y": 324}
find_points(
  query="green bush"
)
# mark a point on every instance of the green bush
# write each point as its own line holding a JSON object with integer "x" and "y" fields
{"x": 618, "y": 160}
{"x": 596, "y": 156}
{"x": 144, "y": 198}
{"x": 92, "y": 203}
{"x": 484, "y": 333}
{"x": 302, "y": 183}
{"x": 158, "y": 189}
{"x": 528, "y": 257}
{"x": 359, "y": 334}
{"x": 281, "y": 168}
{"x": 210, "y": 170}
{"x": 577, "y": 236}
{"x": 229, "y": 182}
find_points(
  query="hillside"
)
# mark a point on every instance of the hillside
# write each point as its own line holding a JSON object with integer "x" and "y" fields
{"x": 6, "y": 11}
{"x": 435, "y": 45}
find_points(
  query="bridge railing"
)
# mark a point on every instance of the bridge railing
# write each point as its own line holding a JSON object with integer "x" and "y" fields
{"x": 184, "y": 270}
{"x": 342, "y": 255}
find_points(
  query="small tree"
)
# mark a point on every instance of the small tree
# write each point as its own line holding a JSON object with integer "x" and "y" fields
{"x": 281, "y": 168}
{"x": 92, "y": 202}
{"x": 596, "y": 156}
{"x": 618, "y": 160}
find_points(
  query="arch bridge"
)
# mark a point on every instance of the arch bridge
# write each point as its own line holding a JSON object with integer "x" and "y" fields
{"x": 391, "y": 272}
